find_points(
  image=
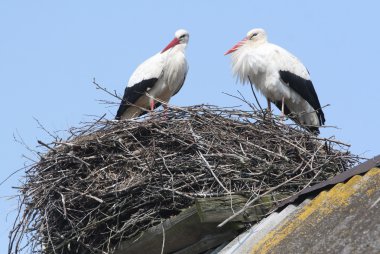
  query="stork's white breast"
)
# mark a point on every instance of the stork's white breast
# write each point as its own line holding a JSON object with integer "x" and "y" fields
{"x": 175, "y": 69}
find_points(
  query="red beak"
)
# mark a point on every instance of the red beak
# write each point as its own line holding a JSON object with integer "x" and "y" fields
{"x": 234, "y": 48}
{"x": 174, "y": 42}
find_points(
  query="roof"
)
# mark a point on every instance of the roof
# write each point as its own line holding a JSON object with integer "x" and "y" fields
{"x": 358, "y": 170}
{"x": 337, "y": 216}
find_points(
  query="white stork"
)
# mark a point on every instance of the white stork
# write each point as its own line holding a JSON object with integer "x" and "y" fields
{"x": 279, "y": 76}
{"x": 156, "y": 80}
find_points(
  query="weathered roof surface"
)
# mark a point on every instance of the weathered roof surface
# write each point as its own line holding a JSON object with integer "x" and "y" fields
{"x": 343, "y": 219}
{"x": 358, "y": 170}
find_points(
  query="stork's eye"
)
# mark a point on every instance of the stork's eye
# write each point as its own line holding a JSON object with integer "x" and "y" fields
{"x": 182, "y": 36}
{"x": 253, "y": 35}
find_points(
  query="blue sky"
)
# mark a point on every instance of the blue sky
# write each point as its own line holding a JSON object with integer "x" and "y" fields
{"x": 50, "y": 52}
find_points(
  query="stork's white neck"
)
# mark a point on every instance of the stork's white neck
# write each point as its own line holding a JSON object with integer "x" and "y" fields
{"x": 246, "y": 60}
{"x": 174, "y": 50}
{"x": 175, "y": 66}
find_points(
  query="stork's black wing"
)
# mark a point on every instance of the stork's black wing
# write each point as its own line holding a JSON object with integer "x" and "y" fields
{"x": 133, "y": 93}
{"x": 305, "y": 89}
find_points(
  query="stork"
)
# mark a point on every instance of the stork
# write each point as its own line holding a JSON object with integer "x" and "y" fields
{"x": 279, "y": 76}
{"x": 156, "y": 80}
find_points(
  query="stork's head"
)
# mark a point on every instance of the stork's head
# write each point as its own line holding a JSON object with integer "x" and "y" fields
{"x": 181, "y": 37}
{"x": 255, "y": 36}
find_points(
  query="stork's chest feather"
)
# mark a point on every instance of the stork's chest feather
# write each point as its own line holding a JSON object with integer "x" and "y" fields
{"x": 175, "y": 70}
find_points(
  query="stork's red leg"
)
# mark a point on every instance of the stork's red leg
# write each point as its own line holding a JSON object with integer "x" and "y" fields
{"x": 151, "y": 104}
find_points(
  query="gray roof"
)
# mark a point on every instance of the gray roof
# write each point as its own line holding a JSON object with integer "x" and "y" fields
{"x": 339, "y": 216}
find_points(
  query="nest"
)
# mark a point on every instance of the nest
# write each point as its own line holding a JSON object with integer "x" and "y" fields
{"x": 111, "y": 180}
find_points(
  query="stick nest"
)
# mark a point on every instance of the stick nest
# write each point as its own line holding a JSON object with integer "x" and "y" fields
{"x": 111, "y": 180}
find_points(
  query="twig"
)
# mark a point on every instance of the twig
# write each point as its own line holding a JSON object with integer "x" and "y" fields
{"x": 331, "y": 140}
{"x": 45, "y": 145}
{"x": 254, "y": 94}
{"x": 212, "y": 172}
{"x": 163, "y": 238}
{"x": 114, "y": 94}
{"x": 268, "y": 151}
